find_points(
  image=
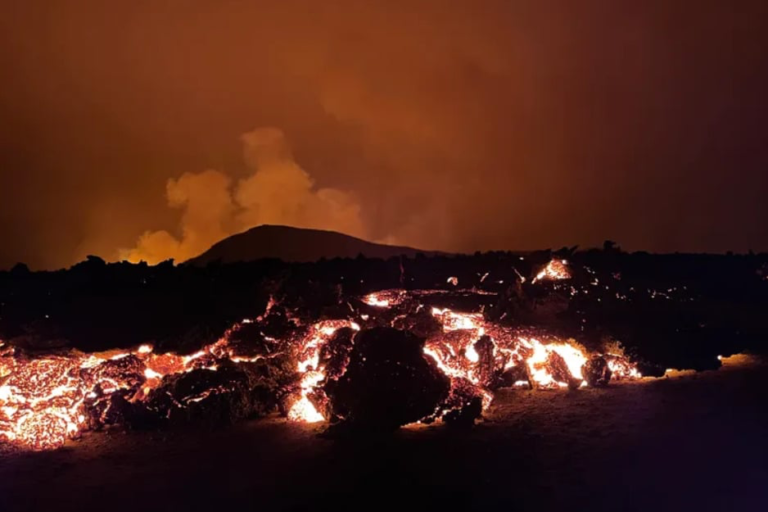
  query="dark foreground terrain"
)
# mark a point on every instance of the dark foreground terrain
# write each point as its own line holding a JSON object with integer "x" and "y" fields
{"x": 689, "y": 442}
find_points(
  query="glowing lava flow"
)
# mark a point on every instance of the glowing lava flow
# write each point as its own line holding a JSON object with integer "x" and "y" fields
{"x": 554, "y": 364}
{"x": 539, "y": 366}
{"x": 47, "y": 399}
{"x": 508, "y": 350}
{"x": 44, "y": 417}
{"x": 42, "y": 400}
{"x": 310, "y": 369}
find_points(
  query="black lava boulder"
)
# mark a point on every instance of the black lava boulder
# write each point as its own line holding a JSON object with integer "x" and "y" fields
{"x": 388, "y": 383}
{"x": 596, "y": 372}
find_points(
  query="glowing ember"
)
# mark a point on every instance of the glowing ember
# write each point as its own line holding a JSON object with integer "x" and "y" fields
{"x": 453, "y": 321}
{"x": 373, "y": 300}
{"x": 303, "y": 410}
{"x": 555, "y": 270}
{"x": 621, "y": 368}
{"x": 385, "y": 298}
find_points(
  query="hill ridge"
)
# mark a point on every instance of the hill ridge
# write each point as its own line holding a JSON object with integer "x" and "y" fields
{"x": 294, "y": 244}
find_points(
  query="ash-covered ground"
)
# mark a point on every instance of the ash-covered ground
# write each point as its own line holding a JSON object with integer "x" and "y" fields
{"x": 694, "y": 441}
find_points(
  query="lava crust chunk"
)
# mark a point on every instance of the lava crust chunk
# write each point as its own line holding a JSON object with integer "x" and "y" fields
{"x": 596, "y": 372}
{"x": 334, "y": 355}
{"x": 219, "y": 397}
{"x": 388, "y": 383}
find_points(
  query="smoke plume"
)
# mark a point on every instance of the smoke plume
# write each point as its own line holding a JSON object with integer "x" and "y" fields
{"x": 459, "y": 126}
{"x": 278, "y": 191}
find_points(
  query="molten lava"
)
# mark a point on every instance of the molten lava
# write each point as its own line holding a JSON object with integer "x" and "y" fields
{"x": 311, "y": 370}
{"x": 47, "y": 399}
{"x": 42, "y": 400}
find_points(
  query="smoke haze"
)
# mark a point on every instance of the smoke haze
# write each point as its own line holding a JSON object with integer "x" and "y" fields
{"x": 456, "y": 126}
{"x": 278, "y": 192}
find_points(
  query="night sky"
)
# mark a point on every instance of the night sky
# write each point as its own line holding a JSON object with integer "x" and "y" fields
{"x": 151, "y": 129}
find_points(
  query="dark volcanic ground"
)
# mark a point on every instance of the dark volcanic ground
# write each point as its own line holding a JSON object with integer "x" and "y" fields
{"x": 691, "y": 442}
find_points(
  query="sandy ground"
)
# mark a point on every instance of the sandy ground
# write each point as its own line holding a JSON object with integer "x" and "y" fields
{"x": 690, "y": 442}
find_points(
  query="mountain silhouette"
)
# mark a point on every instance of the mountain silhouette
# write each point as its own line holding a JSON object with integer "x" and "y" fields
{"x": 295, "y": 245}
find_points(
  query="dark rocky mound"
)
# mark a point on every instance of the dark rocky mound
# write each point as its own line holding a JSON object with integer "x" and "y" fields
{"x": 294, "y": 245}
{"x": 334, "y": 355}
{"x": 464, "y": 405}
{"x": 231, "y": 393}
{"x": 201, "y": 396}
{"x": 596, "y": 372}
{"x": 388, "y": 382}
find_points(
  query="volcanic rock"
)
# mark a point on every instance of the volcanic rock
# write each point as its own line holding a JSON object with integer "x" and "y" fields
{"x": 465, "y": 416}
{"x": 128, "y": 370}
{"x": 486, "y": 362}
{"x": 560, "y": 371}
{"x": 334, "y": 355}
{"x": 596, "y": 372}
{"x": 421, "y": 323}
{"x": 278, "y": 324}
{"x": 116, "y": 410}
{"x": 223, "y": 396}
{"x": 515, "y": 374}
{"x": 388, "y": 382}
{"x": 248, "y": 341}
{"x": 464, "y": 404}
